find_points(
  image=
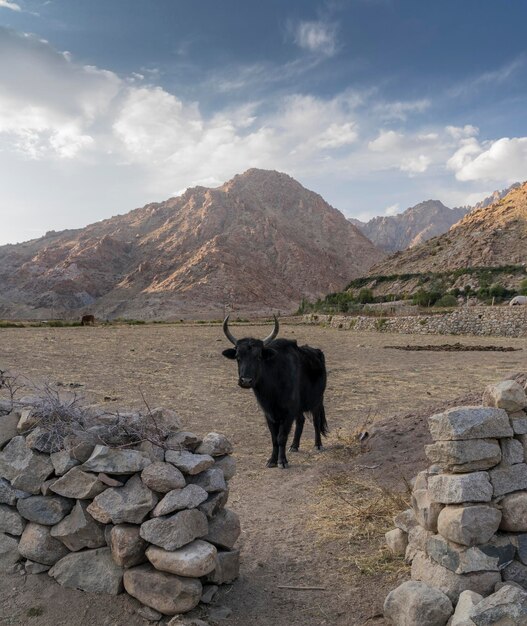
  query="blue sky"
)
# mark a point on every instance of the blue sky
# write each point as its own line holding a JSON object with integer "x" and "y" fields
{"x": 375, "y": 104}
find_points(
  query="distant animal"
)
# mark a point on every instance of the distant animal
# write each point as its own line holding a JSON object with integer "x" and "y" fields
{"x": 518, "y": 300}
{"x": 88, "y": 320}
{"x": 288, "y": 381}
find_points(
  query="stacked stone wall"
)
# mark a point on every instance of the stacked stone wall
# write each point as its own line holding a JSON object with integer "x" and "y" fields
{"x": 484, "y": 321}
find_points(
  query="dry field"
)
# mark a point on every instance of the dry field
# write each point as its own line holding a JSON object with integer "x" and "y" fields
{"x": 317, "y": 524}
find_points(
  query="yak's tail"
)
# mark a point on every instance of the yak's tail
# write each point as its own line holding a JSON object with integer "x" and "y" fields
{"x": 319, "y": 420}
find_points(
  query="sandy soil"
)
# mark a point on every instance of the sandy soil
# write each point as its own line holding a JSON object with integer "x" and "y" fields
{"x": 386, "y": 391}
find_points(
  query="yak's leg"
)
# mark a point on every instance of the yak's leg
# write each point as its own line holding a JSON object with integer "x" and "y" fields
{"x": 319, "y": 419}
{"x": 273, "y": 428}
{"x": 298, "y": 433}
{"x": 283, "y": 433}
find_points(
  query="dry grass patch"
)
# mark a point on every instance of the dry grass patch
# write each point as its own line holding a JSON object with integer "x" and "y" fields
{"x": 355, "y": 513}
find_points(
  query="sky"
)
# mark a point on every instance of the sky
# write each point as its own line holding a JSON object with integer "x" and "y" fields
{"x": 375, "y": 104}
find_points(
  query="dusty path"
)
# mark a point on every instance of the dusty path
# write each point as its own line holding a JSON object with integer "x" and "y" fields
{"x": 181, "y": 367}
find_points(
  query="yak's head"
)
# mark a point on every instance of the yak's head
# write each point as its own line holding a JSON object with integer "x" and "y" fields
{"x": 250, "y": 354}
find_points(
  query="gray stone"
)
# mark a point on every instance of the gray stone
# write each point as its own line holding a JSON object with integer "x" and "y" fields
{"x": 519, "y": 422}
{"x": 523, "y": 440}
{"x": 166, "y": 593}
{"x": 227, "y": 464}
{"x": 450, "y": 583}
{"x": 175, "y": 531}
{"x": 516, "y": 572}
{"x": 471, "y": 422}
{"x": 26, "y": 470}
{"x": 178, "y": 499}
{"x": 182, "y": 441}
{"x": 467, "y": 601}
{"x": 128, "y": 548}
{"x": 502, "y": 547}
{"x": 79, "y": 530}
{"x": 460, "y": 559}
{"x": 196, "y": 559}
{"x": 90, "y": 570}
{"x": 63, "y": 462}
{"x": 425, "y": 509}
{"x": 8, "y": 424}
{"x": 9, "y": 554}
{"x": 80, "y": 445}
{"x": 78, "y": 485}
{"x": 397, "y": 541}
{"x": 48, "y": 510}
{"x": 214, "y": 503}
{"x": 511, "y": 583}
{"x": 150, "y": 615}
{"x": 514, "y": 512}
{"x": 37, "y": 544}
{"x": 417, "y": 540}
{"x": 116, "y": 461}
{"x": 458, "y": 488}
{"x": 155, "y": 453}
{"x": 226, "y": 568}
{"x": 9, "y": 495}
{"x": 187, "y": 621}
{"x": 511, "y": 451}
{"x": 32, "y": 567}
{"x": 28, "y": 418}
{"x": 42, "y": 440}
{"x": 209, "y": 591}
{"x": 508, "y": 479}
{"x": 10, "y": 520}
{"x": 224, "y": 529}
{"x": 218, "y": 613}
{"x": 464, "y": 456}
{"x": 109, "y": 481}
{"x": 130, "y": 503}
{"x": 211, "y": 480}
{"x": 521, "y": 546}
{"x": 405, "y": 520}
{"x": 188, "y": 462}
{"x": 469, "y": 525}
{"x": 163, "y": 477}
{"x": 215, "y": 444}
{"x": 508, "y": 395}
{"x": 416, "y": 604}
{"x": 45, "y": 488}
{"x": 508, "y": 607}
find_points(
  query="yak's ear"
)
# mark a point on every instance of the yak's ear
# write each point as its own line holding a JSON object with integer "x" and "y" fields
{"x": 230, "y": 353}
{"x": 268, "y": 353}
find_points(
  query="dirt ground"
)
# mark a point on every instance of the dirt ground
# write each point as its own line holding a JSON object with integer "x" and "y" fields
{"x": 285, "y": 539}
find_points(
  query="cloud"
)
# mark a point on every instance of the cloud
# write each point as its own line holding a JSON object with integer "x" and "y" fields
{"x": 491, "y": 78}
{"x": 400, "y": 110}
{"x": 386, "y": 140}
{"x": 461, "y": 132}
{"x": 6, "y": 4}
{"x": 317, "y": 37}
{"x": 416, "y": 165}
{"x": 502, "y": 160}
{"x": 392, "y": 210}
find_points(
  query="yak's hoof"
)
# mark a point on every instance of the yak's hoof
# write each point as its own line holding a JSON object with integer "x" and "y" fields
{"x": 293, "y": 448}
{"x": 270, "y": 463}
{"x": 283, "y": 464}
{"x": 320, "y": 448}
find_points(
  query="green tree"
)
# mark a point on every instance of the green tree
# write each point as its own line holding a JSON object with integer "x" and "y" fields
{"x": 366, "y": 296}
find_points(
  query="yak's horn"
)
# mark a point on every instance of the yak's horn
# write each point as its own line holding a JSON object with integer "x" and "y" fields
{"x": 227, "y": 332}
{"x": 269, "y": 338}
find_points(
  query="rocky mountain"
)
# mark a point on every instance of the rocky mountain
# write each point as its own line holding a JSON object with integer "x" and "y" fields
{"x": 494, "y": 197}
{"x": 412, "y": 227}
{"x": 259, "y": 243}
{"x": 492, "y": 236}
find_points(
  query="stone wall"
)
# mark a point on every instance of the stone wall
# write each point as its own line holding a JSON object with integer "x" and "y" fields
{"x": 497, "y": 321}
{"x": 113, "y": 503}
{"x": 466, "y": 533}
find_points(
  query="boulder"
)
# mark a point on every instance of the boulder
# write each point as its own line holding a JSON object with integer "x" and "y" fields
{"x": 178, "y": 499}
{"x": 465, "y": 456}
{"x": 10, "y": 520}
{"x": 149, "y": 614}
{"x": 35, "y": 568}
{"x": 93, "y": 571}
{"x": 508, "y": 395}
{"x": 511, "y": 451}
{"x": 463, "y": 560}
{"x": 166, "y": 593}
{"x": 227, "y": 464}
{"x": 521, "y": 546}
{"x": 182, "y": 440}
{"x": 28, "y": 418}
{"x": 214, "y": 503}
{"x": 48, "y": 510}
{"x": 215, "y": 444}
{"x": 508, "y": 606}
{"x": 63, "y": 462}
{"x": 45, "y": 488}
{"x": 155, "y": 453}
{"x": 471, "y": 422}
{"x": 416, "y": 604}
{"x": 78, "y": 484}
{"x": 116, "y": 461}
{"x": 189, "y": 463}
{"x": 42, "y": 440}
{"x": 211, "y": 480}
{"x": 175, "y": 531}
{"x": 425, "y": 509}
{"x": 397, "y": 541}
{"x": 508, "y": 479}
{"x": 224, "y": 529}
{"x": 128, "y": 548}
{"x": 37, "y": 544}
{"x": 196, "y": 559}
{"x": 417, "y": 540}
{"x": 226, "y": 568}
{"x": 514, "y": 512}
{"x": 405, "y": 520}
{"x": 8, "y": 424}
{"x": 130, "y": 503}
{"x": 458, "y": 488}
{"x": 209, "y": 591}
{"x": 467, "y": 601}
{"x": 187, "y": 621}
{"x": 162, "y": 477}
{"x": 9, "y": 554}
{"x": 79, "y": 530}
{"x": 26, "y": 470}
{"x": 516, "y": 572}
{"x": 469, "y": 525}
{"x": 109, "y": 481}
{"x": 9, "y": 495}
{"x": 519, "y": 422}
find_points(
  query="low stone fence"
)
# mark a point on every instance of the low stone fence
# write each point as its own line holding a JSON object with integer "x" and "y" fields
{"x": 466, "y": 533}
{"x": 500, "y": 321}
{"x": 122, "y": 502}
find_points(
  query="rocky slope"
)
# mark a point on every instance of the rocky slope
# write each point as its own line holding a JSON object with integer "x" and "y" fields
{"x": 259, "y": 243}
